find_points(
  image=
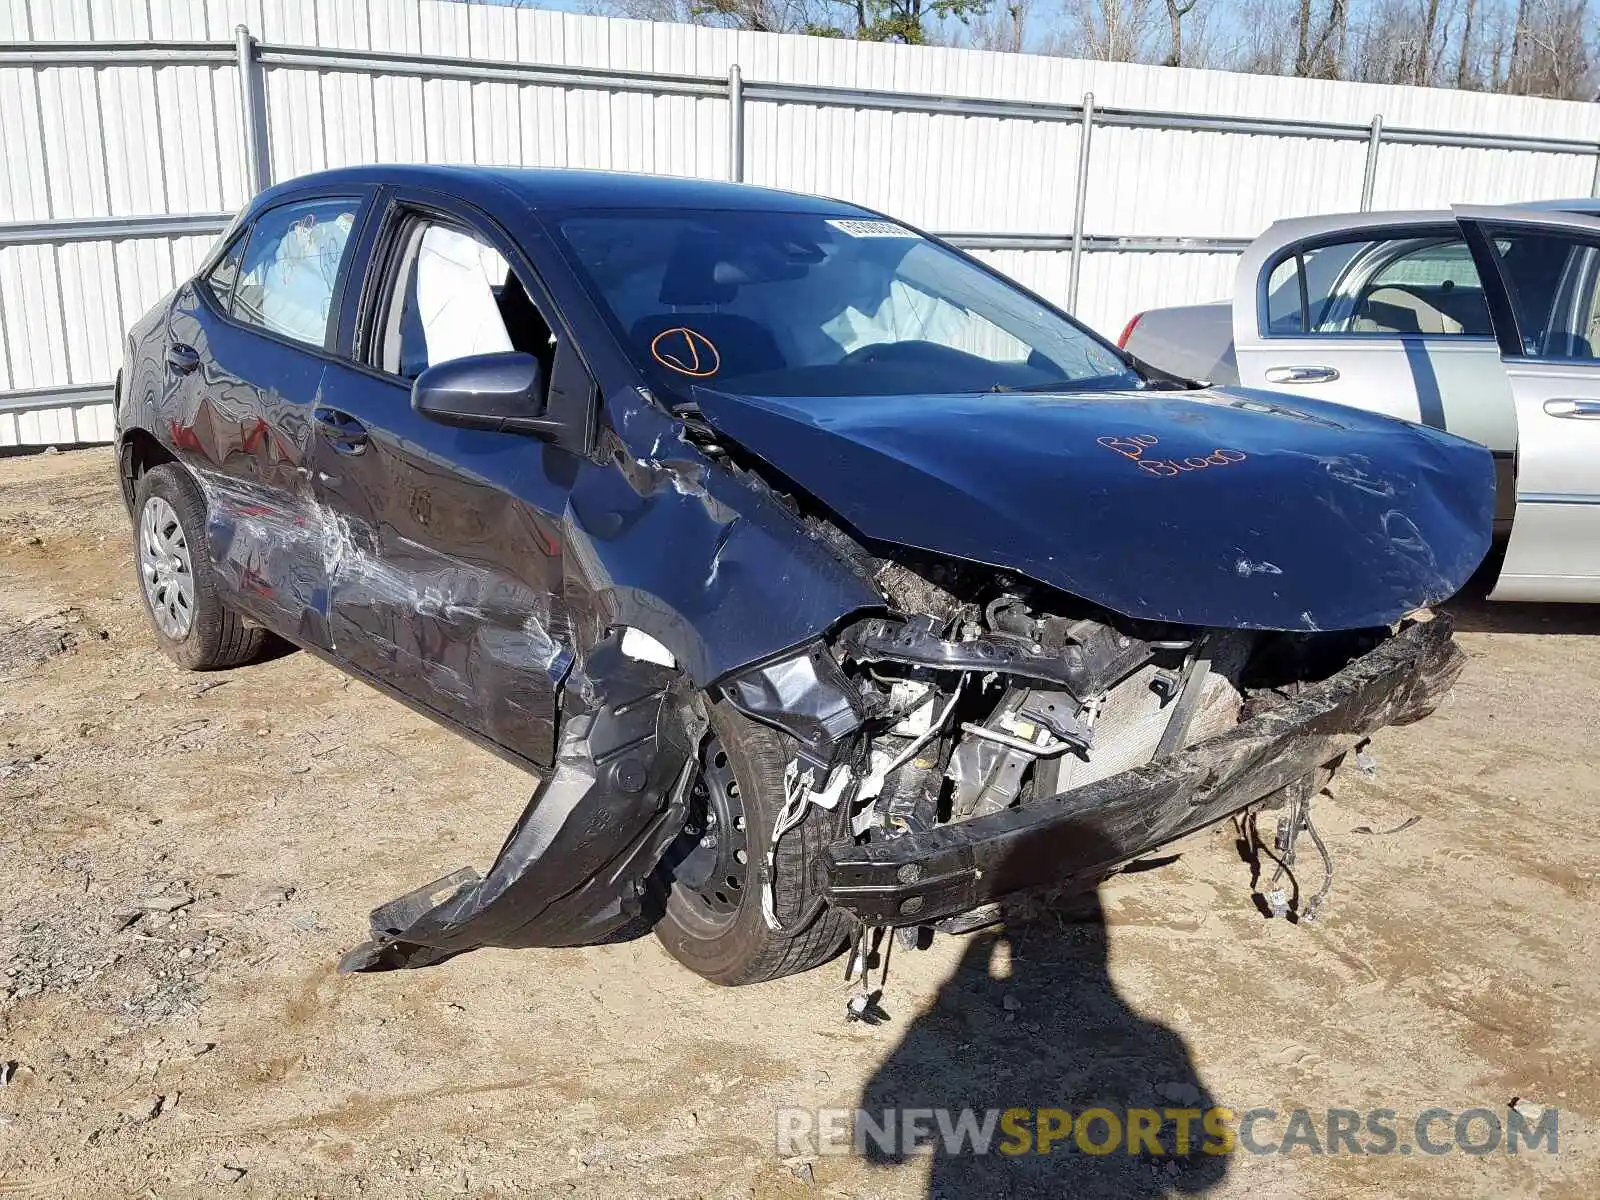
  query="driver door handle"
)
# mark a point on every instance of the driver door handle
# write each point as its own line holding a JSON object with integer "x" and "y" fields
{"x": 1301, "y": 374}
{"x": 342, "y": 431}
{"x": 181, "y": 358}
{"x": 1580, "y": 409}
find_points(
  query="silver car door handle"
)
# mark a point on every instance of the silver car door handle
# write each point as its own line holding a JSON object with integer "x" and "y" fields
{"x": 1581, "y": 409}
{"x": 1301, "y": 374}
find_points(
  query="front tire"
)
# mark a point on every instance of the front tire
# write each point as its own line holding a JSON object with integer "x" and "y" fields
{"x": 713, "y": 922}
{"x": 191, "y": 623}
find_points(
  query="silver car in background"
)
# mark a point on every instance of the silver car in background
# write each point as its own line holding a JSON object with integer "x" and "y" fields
{"x": 1483, "y": 321}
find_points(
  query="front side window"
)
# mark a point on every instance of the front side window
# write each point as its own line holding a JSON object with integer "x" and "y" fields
{"x": 1553, "y": 282}
{"x": 455, "y": 295}
{"x": 290, "y": 267}
{"x": 1422, "y": 283}
{"x": 798, "y": 304}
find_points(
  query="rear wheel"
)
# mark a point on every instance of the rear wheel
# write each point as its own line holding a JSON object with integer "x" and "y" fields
{"x": 717, "y": 869}
{"x": 180, "y": 593}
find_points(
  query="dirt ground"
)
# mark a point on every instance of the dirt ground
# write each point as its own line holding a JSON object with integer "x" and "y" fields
{"x": 184, "y": 858}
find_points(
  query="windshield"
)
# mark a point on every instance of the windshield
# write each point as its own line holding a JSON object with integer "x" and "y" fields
{"x": 795, "y": 304}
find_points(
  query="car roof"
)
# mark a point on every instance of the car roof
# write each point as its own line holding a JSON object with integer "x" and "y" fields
{"x": 551, "y": 188}
{"x": 1587, "y": 206}
{"x": 1296, "y": 228}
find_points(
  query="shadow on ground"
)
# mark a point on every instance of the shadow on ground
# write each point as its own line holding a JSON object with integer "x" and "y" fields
{"x": 1474, "y": 612}
{"x": 1031, "y": 1020}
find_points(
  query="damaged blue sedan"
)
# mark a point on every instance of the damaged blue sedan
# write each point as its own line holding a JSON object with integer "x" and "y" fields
{"x": 828, "y": 581}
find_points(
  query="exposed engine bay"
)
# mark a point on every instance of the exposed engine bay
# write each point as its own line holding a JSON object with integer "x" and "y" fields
{"x": 983, "y": 692}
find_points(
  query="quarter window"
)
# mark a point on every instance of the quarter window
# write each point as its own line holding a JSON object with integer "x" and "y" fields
{"x": 290, "y": 267}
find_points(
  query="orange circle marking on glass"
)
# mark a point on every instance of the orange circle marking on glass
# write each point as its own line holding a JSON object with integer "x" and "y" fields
{"x": 683, "y": 350}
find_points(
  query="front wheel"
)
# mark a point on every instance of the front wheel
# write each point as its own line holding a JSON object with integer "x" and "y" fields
{"x": 180, "y": 593}
{"x": 716, "y": 871}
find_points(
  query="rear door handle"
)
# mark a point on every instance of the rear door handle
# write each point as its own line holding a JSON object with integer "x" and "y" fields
{"x": 343, "y": 432}
{"x": 1579, "y": 409}
{"x": 182, "y": 358}
{"x": 1301, "y": 374}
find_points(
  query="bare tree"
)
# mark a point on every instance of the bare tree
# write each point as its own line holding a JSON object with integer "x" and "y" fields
{"x": 1323, "y": 56}
{"x": 1003, "y": 27}
{"x": 1302, "y": 52}
{"x": 1464, "y": 77}
{"x": 1263, "y": 41}
{"x": 1551, "y": 52}
{"x": 1319, "y": 47}
{"x": 1422, "y": 69}
{"x": 759, "y": 16}
{"x": 1400, "y": 41}
{"x": 1176, "y": 12}
{"x": 1530, "y": 47}
{"x": 1109, "y": 30}
{"x": 1518, "y": 37}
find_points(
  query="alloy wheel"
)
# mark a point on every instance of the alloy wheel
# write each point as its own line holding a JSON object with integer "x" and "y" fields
{"x": 167, "y": 568}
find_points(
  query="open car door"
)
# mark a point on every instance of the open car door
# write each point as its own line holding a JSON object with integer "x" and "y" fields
{"x": 1541, "y": 278}
{"x": 1383, "y": 312}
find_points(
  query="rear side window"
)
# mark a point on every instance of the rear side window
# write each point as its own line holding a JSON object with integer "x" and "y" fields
{"x": 1421, "y": 283}
{"x": 1553, "y": 281}
{"x": 291, "y": 264}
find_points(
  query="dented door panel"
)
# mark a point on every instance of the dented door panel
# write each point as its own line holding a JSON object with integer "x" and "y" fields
{"x": 241, "y": 422}
{"x": 446, "y": 583}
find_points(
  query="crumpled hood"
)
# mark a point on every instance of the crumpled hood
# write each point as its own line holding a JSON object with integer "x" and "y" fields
{"x": 1225, "y": 508}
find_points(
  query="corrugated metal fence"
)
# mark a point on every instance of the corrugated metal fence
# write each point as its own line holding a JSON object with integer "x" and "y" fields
{"x": 129, "y": 129}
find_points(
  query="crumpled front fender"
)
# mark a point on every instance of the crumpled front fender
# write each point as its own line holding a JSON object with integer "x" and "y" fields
{"x": 575, "y": 868}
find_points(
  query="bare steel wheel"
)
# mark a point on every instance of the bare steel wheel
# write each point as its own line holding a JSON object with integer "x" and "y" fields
{"x": 717, "y": 870}
{"x": 167, "y": 568}
{"x": 710, "y": 860}
{"x": 190, "y": 620}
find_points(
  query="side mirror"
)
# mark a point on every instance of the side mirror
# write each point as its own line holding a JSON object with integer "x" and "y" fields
{"x": 499, "y": 392}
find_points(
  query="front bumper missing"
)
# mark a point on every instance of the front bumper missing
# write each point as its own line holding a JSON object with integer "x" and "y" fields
{"x": 1078, "y": 836}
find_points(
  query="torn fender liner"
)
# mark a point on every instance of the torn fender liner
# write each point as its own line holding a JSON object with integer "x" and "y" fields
{"x": 575, "y": 866}
{"x": 1076, "y": 837}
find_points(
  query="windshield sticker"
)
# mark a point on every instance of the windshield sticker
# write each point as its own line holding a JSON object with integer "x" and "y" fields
{"x": 1134, "y": 445}
{"x": 683, "y": 350}
{"x": 857, "y": 228}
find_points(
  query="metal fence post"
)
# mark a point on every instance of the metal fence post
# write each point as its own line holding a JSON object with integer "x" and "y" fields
{"x": 1082, "y": 198}
{"x": 735, "y": 124}
{"x": 253, "y": 112}
{"x": 1369, "y": 178}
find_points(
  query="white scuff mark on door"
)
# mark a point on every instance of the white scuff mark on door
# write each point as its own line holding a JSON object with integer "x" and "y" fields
{"x": 1247, "y": 568}
{"x": 265, "y": 538}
